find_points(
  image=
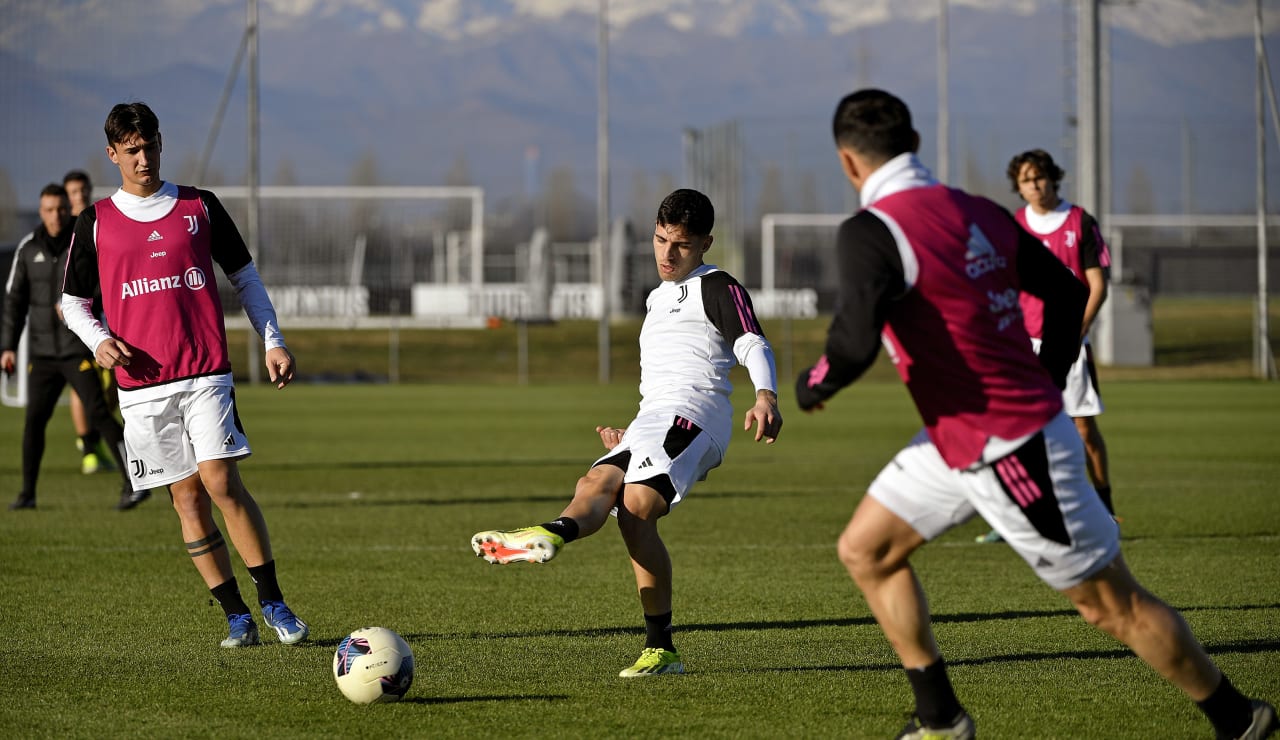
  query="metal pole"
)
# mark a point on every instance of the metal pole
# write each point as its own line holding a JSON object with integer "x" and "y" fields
{"x": 1088, "y": 85}
{"x": 251, "y": 220}
{"x": 602, "y": 185}
{"x": 1262, "y": 344}
{"x": 944, "y": 102}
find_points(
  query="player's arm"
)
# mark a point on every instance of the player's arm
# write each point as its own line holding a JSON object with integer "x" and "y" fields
{"x": 1044, "y": 276}
{"x": 80, "y": 284}
{"x": 728, "y": 307}
{"x": 232, "y": 255}
{"x": 871, "y": 277}
{"x": 17, "y": 296}
{"x": 1095, "y": 259}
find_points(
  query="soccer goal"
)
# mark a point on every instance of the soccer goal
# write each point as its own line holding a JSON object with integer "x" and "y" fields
{"x": 352, "y": 256}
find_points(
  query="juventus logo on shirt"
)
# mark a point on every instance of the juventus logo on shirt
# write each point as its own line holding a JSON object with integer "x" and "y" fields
{"x": 684, "y": 293}
{"x": 193, "y": 226}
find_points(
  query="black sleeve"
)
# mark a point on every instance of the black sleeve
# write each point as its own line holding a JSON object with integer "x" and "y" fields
{"x": 228, "y": 248}
{"x": 728, "y": 307}
{"x": 17, "y": 297}
{"x": 1044, "y": 276}
{"x": 1091, "y": 245}
{"x": 871, "y": 277}
{"x": 81, "y": 277}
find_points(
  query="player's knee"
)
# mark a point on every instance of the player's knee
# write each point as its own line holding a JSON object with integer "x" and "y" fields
{"x": 860, "y": 560}
{"x": 186, "y": 501}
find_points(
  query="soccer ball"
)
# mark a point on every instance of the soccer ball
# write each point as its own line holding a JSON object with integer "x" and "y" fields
{"x": 373, "y": 664}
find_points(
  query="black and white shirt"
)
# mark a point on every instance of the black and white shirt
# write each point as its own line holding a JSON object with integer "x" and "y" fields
{"x": 694, "y": 332}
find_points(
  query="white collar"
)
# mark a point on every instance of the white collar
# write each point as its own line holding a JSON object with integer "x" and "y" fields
{"x": 903, "y": 172}
{"x": 151, "y": 208}
{"x": 1047, "y": 223}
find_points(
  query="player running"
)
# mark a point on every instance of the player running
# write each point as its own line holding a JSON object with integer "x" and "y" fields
{"x": 698, "y": 321}
{"x": 936, "y": 273}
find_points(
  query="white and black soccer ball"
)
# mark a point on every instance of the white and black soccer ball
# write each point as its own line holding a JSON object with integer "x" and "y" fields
{"x": 373, "y": 664}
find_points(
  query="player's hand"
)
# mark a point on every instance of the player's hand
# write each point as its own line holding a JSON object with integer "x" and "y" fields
{"x": 766, "y": 416}
{"x": 610, "y": 436}
{"x": 281, "y": 366}
{"x": 807, "y": 397}
{"x": 8, "y": 361}
{"x": 112, "y": 353}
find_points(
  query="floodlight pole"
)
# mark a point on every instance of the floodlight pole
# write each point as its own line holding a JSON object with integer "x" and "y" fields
{"x": 251, "y": 167}
{"x": 1088, "y": 84}
{"x": 944, "y": 103}
{"x": 602, "y": 186}
{"x": 1265, "y": 368}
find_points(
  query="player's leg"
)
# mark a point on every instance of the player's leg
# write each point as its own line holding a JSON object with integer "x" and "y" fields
{"x": 874, "y": 547}
{"x": 218, "y": 440}
{"x": 247, "y": 528}
{"x": 594, "y": 496}
{"x": 1116, "y": 603}
{"x": 1082, "y": 401}
{"x": 915, "y": 498}
{"x": 669, "y": 455}
{"x": 641, "y": 507}
{"x": 1095, "y": 453}
{"x": 208, "y": 550}
{"x": 86, "y": 437}
{"x": 87, "y": 384}
{"x": 44, "y": 385}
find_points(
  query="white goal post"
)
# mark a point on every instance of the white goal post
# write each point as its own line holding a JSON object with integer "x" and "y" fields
{"x": 383, "y": 193}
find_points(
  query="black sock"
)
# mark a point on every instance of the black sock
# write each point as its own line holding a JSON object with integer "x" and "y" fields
{"x": 1230, "y": 711}
{"x": 264, "y": 577}
{"x": 89, "y": 442}
{"x": 657, "y": 632}
{"x": 936, "y": 702}
{"x": 1104, "y": 493}
{"x": 565, "y": 526}
{"x": 227, "y": 594}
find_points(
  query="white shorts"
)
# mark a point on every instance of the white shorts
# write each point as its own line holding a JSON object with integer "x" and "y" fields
{"x": 166, "y": 438}
{"x": 672, "y": 449}
{"x": 1080, "y": 397}
{"x": 1038, "y": 498}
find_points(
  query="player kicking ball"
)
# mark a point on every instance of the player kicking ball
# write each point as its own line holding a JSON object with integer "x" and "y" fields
{"x": 698, "y": 322}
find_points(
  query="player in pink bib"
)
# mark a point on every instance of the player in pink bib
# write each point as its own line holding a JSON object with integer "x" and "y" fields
{"x": 936, "y": 274}
{"x": 151, "y": 248}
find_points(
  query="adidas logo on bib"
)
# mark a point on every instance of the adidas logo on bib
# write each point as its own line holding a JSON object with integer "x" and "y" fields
{"x": 155, "y": 236}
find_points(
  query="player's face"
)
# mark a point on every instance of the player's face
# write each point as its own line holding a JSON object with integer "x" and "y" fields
{"x": 79, "y": 193}
{"x": 1036, "y": 188}
{"x": 54, "y": 212}
{"x": 677, "y": 253}
{"x": 139, "y": 163}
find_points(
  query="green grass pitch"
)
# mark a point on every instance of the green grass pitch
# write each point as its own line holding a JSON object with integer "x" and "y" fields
{"x": 372, "y": 493}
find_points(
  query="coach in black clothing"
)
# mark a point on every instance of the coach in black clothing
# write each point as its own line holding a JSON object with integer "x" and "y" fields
{"x": 57, "y": 356}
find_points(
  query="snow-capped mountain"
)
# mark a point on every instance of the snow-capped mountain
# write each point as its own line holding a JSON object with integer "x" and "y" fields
{"x": 421, "y": 86}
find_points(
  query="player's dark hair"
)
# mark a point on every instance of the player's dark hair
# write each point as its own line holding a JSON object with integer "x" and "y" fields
{"x": 1041, "y": 160}
{"x": 54, "y": 189}
{"x": 77, "y": 176}
{"x": 874, "y": 123}
{"x": 689, "y": 209}
{"x": 127, "y": 119}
